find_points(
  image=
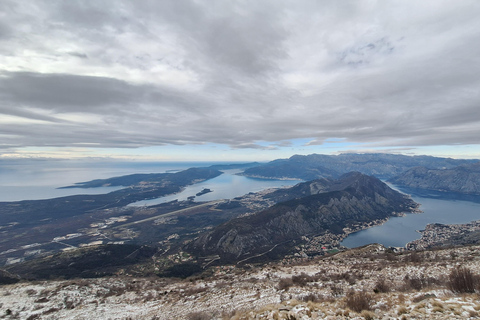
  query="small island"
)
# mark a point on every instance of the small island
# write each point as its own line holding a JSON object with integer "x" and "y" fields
{"x": 204, "y": 191}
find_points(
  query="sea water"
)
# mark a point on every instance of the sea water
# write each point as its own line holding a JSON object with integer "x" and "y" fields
{"x": 437, "y": 207}
{"x": 226, "y": 186}
{"x": 31, "y": 179}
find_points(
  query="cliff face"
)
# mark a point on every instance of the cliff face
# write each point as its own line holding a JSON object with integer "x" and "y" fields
{"x": 326, "y": 205}
{"x": 462, "y": 179}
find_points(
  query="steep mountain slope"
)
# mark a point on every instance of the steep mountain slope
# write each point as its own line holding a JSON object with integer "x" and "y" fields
{"x": 462, "y": 179}
{"x": 315, "y": 166}
{"x": 326, "y": 206}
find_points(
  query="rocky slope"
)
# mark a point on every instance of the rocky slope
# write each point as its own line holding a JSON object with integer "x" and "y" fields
{"x": 325, "y": 206}
{"x": 461, "y": 179}
{"x": 393, "y": 286}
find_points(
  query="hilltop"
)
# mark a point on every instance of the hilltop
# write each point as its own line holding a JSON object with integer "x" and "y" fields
{"x": 370, "y": 282}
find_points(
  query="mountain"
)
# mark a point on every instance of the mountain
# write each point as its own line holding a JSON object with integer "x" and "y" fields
{"x": 369, "y": 282}
{"x": 325, "y": 206}
{"x": 315, "y": 166}
{"x": 462, "y": 179}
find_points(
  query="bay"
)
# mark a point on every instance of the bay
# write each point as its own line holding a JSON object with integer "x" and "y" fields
{"x": 226, "y": 186}
{"x": 31, "y": 179}
{"x": 437, "y": 207}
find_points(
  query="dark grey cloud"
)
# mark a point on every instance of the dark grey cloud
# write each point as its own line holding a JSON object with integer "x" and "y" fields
{"x": 64, "y": 92}
{"x": 248, "y": 74}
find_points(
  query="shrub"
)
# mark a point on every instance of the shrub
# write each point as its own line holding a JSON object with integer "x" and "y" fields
{"x": 302, "y": 279}
{"x": 198, "y": 316}
{"x": 419, "y": 282}
{"x": 423, "y": 297}
{"x": 414, "y": 283}
{"x": 402, "y": 310}
{"x": 462, "y": 280}
{"x": 312, "y": 297}
{"x": 381, "y": 286}
{"x": 285, "y": 284}
{"x": 336, "y": 290}
{"x": 413, "y": 257}
{"x": 358, "y": 301}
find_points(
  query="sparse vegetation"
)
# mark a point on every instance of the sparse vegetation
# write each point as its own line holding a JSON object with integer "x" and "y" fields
{"x": 358, "y": 301}
{"x": 339, "y": 286}
{"x": 198, "y": 316}
{"x": 381, "y": 286}
{"x": 285, "y": 284}
{"x": 367, "y": 315}
{"x": 462, "y": 280}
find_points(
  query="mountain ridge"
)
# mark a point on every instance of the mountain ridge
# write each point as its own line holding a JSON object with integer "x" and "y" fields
{"x": 314, "y": 166}
{"x": 462, "y": 179}
{"x": 354, "y": 198}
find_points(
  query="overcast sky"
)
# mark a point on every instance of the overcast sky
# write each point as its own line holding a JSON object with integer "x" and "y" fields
{"x": 218, "y": 79}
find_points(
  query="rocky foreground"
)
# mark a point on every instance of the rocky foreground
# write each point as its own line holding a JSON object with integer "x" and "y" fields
{"x": 363, "y": 283}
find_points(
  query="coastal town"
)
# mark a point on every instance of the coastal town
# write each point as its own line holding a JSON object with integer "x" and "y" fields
{"x": 436, "y": 235}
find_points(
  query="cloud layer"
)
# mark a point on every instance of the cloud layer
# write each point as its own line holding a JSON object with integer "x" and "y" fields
{"x": 241, "y": 73}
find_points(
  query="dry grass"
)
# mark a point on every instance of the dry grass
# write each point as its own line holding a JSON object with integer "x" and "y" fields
{"x": 358, "y": 301}
{"x": 402, "y": 310}
{"x": 367, "y": 315}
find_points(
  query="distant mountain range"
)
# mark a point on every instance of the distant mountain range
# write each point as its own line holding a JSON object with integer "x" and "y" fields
{"x": 314, "y": 166}
{"x": 463, "y": 179}
{"x": 310, "y": 209}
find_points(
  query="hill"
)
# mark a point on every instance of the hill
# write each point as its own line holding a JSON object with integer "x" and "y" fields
{"x": 462, "y": 179}
{"x": 316, "y": 166}
{"x": 326, "y": 208}
{"x": 364, "y": 283}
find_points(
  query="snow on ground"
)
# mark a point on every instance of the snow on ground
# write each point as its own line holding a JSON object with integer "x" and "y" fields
{"x": 395, "y": 286}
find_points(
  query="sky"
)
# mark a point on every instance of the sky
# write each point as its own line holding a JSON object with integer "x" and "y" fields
{"x": 238, "y": 80}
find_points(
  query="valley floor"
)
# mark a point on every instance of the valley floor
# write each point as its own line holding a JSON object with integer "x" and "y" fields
{"x": 362, "y": 283}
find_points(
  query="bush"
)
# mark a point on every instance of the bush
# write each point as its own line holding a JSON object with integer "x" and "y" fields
{"x": 312, "y": 297}
{"x": 402, "y": 310}
{"x": 420, "y": 282}
{"x": 358, "y": 301}
{"x": 414, "y": 283}
{"x": 198, "y": 316}
{"x": 462, "y": 280}
{"x": 381, "y": 286}
{"x": 414, "y": 257}
{"x": 302, "y": 279}
{"x": 336, "y": 290}
{"x": 285, "y": 284}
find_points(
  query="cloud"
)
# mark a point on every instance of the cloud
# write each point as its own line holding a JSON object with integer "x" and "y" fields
{"x": 241, "y": 73}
